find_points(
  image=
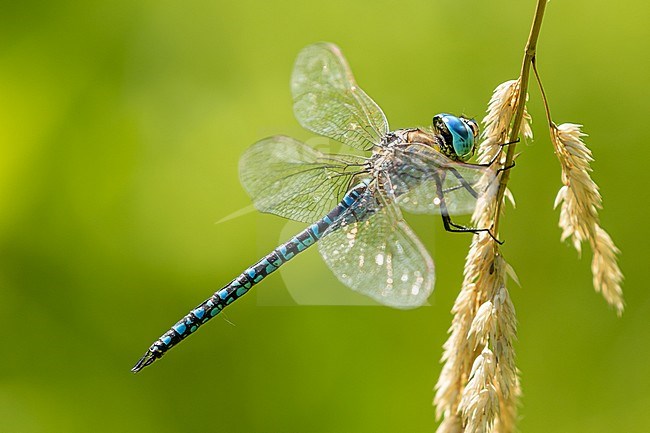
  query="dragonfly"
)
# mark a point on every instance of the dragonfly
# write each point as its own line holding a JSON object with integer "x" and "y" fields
{"x": 353, "y": 202}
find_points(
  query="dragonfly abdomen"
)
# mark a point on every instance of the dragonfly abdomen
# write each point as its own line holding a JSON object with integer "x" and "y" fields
{"x": 245, "y": 281}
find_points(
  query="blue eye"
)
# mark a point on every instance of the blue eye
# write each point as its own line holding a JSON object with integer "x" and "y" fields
{"x": 462, "y": 135}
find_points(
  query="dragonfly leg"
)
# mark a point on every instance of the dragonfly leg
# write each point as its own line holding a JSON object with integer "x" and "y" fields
{"x": 451, "y": 226}
{"x": 510, "y": 142}
{"x": 496, "y": 157}
{"x": 505, "y": 168}
{"x": 463, "y": 183}
{"x": 466, "y": 185}
{"x": 454, "y": 188}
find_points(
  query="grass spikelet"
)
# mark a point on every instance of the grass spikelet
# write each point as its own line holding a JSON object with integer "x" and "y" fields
{"x": 450, "y": 424}
{"x": 479, "y": 403}
{"x": 580, "y": 200}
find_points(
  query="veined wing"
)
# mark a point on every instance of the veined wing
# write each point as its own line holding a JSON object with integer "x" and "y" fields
{"x": 426, "y": 177}
{"x": 288, "y": 178}
{"x": 373, "y": 251}
{"x": 327, "y": 100}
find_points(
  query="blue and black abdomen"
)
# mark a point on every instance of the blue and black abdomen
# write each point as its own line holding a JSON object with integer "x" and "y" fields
{"x": 243, "y": 283}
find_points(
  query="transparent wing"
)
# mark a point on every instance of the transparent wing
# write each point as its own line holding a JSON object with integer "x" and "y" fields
{"x": 327, "y": 100}
{"x": 373, "y": 251}
{"x": 426, "y": 177}
{"x": 288, "y": 178}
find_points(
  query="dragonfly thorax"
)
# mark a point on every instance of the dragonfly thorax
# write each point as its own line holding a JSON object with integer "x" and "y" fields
{"x": 383, "y": 156}
{"x": 418, "y": 135}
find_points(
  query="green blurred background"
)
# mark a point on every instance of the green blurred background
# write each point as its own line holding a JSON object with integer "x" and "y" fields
{"x": 121, "y": 125}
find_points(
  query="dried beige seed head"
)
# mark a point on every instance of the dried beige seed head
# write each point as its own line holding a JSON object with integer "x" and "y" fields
{"x": 497, "y": 121}
{"x": 496, "y": 131}
{"x": 460, "y": 351}
{"x": 478, "y": 387}
{"x": 479, "y": 380}
{"x": 579, "y": 201}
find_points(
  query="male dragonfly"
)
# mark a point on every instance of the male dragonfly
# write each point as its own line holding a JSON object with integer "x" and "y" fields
{"x": 363, "y": 239}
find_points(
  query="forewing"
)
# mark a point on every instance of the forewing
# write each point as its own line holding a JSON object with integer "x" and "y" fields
{"x": 373, "y": 251}
{"x": 427, "y": 177}
{"x": 327, "y": 100}
{"x": 288, "y": 178}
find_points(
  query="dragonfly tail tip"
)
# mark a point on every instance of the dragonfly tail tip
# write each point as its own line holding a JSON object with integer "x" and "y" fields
{"x": 147, "y": 359}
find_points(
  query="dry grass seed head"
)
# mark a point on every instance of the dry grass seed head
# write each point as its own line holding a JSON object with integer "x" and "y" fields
{"x": 580, "y": 200}
{"x": 473, "y": 384}
{"x": 496, "y": 131}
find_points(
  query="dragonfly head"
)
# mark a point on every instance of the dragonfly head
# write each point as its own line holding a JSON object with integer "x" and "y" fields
{"x": 459, "y": 135}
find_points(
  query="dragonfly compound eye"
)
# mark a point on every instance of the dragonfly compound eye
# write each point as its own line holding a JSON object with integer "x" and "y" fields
{"x": 472, "y": 124}
{"x": 459, "y": 132}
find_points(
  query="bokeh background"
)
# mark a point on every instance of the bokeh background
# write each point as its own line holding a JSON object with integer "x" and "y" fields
{"x": 121, "y": 125}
